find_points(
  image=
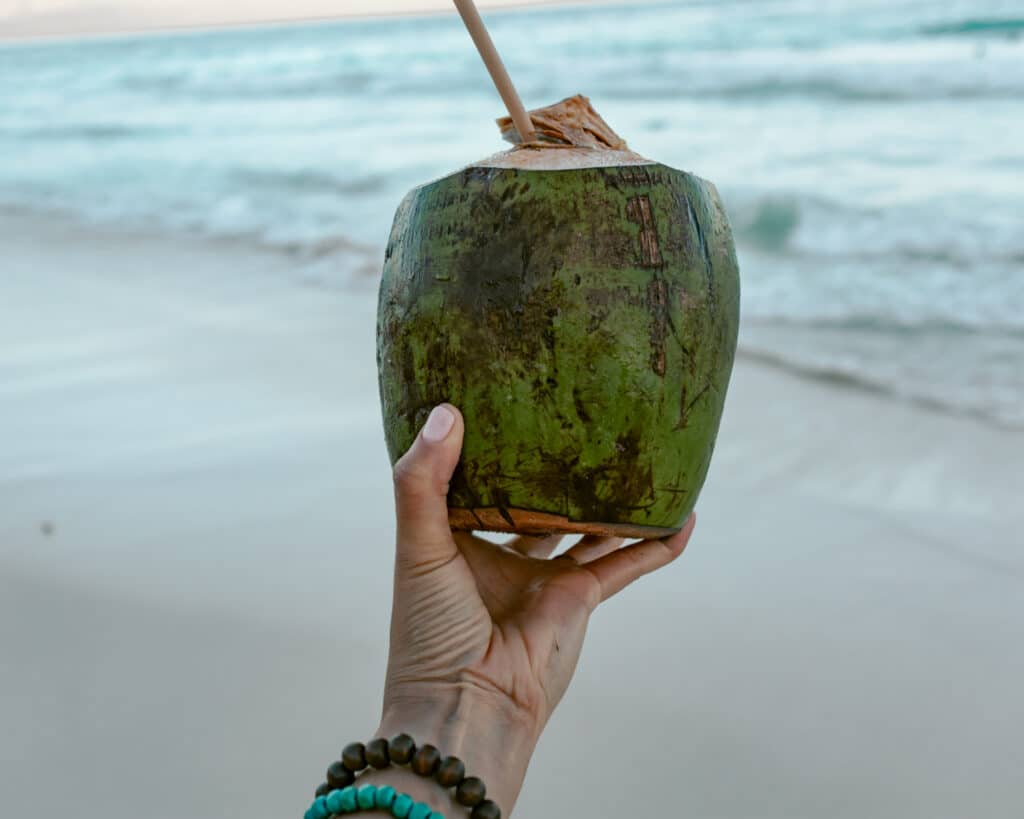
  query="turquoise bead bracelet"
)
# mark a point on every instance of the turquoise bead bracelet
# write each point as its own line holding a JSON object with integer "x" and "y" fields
{"x": 352, "y": 799}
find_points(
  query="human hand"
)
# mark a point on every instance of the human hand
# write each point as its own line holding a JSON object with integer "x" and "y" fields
{"x": 485, "y": 638}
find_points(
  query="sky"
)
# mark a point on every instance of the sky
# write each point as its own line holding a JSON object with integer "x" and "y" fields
{"x": 26, "y": 18}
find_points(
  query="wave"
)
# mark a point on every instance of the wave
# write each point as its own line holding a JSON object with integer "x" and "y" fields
{"x": 819, "y": 89}
{"x": 323, "y": 247}
{"x": 309, "y": 181}
{"x": 848, "y": 378}
{"x": 1013, "y": 27}
{"x": 886, "y": 89}
{"x": 771, "y": 223}
{"x": 808, "y": 228}
{"x": 257, "y": 87}
{"x": 94, "y": 131}
{"x": 875, "y": 323}
{"x": 343, "y": 254}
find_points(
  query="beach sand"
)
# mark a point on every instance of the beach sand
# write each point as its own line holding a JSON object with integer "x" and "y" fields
{"x": 128, "y": 18}
{"x": 195, "y": 548}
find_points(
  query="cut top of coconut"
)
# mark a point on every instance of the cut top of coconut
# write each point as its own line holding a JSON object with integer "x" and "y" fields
{"x": 560, "y": 159}
{"x": 569, "y": 134}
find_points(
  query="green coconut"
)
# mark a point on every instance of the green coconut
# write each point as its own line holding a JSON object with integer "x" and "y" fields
{"x": 580, "y": 305}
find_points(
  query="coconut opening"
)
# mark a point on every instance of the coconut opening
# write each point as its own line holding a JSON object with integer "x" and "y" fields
{"x": 569, "y": 134}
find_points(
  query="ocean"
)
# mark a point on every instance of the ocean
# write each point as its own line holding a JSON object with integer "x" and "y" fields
{"x": 870, "y": 154}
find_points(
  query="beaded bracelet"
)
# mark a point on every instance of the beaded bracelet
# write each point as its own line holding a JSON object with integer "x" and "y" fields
{"x": 426, "y": 761}
{"x": 369, "y": 797}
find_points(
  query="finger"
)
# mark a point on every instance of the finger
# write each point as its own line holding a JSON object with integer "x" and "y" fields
{"x": 421, "y": 489}
{"x": 591, "y": 547}
{"x": 539, "y": 547}
{"x": 617, "y": 570}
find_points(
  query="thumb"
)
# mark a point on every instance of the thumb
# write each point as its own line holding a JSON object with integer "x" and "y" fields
{"x": 421, "y": 489}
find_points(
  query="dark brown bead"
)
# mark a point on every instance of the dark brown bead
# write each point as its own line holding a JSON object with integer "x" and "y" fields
{"x": 426, "y": 760}
{"x": 471, "y": 792}
{"x": 485, "y": 810}
{"x": 451, "y": 772}
{"x": 401, "y": 749}
{"x": 338, "y": 776}
{"x": 323, "y": 789}
{"x": 354, "y": 757}
{"x": 377, "y": 753}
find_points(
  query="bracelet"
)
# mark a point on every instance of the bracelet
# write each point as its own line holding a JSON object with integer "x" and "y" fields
{"x": 339, "y": 795}
{"x": 351, "y": 799}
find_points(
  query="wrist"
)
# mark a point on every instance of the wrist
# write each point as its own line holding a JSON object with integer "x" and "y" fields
{"x": 494, "y": 739}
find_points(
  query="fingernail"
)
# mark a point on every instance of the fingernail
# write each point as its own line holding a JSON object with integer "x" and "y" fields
{"x": 438, "y": 425}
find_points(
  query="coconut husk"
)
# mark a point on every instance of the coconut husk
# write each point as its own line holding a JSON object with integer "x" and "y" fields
{"x": 573, "y": 122}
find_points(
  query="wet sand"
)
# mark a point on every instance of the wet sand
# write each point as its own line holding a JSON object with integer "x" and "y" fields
{"x": 195, "y": 535}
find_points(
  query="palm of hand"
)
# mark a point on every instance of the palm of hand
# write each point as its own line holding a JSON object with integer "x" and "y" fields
{"x": 506, "y": 620}
{"x": 495, "y": 619}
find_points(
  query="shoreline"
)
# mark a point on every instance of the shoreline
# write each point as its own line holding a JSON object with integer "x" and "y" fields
{"x": 843, "y": 381}
{"x": 358, "y": 262}
{"x": 356, "y": 267}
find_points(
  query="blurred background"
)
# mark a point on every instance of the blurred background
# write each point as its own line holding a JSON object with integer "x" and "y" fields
{"x": 194, "y": 494}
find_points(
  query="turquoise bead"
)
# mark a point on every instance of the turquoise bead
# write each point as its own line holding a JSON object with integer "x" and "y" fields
{"x": 386, "y": 796}
{"x": 349, "y": 802}
{"x": 402, "y": 806}
{"x": 319, "y": 809}
{"x": 367, "y": 797}
{"x": 421, "y": 810}
{"x": 333, "y": 801}
{"x": 436, "y": 815}
{"x": 308, "y": 814}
